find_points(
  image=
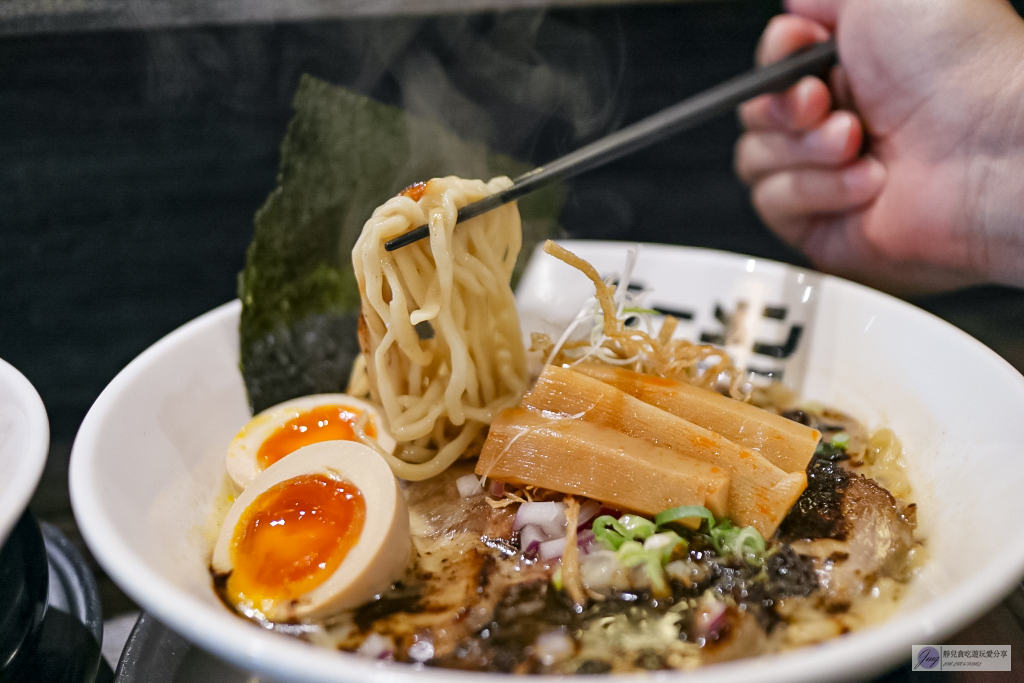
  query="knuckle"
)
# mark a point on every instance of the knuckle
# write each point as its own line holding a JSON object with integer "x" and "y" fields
{"x": 763, "y": 189}
{"x": 772, "y": 43}
{"x": 771, "y": 197}
{"x": 804, "y": 186}
{"x": 742, "y": 159}
{"x": 820, "y": 190}
{"x": 748, "y": 112}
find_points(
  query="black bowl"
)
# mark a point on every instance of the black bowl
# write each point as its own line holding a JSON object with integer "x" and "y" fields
{"x": 24, "y": 580}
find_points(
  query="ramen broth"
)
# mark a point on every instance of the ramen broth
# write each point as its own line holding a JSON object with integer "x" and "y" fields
{"x": 474, "y": 599}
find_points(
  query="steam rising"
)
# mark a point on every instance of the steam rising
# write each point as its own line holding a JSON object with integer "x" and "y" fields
{"x": 528, "y": 83}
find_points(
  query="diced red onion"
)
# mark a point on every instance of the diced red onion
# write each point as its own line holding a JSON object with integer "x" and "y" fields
{"x": 585, "y": 541}
{"x": 555, "y": 529}
{"x": 421, "y": 650}
{"x": 549, "y": 550}
{"x": 597, "y": 570}
{"x": 710, "y": 616}
{"x": 549, "y": 515}
{"x": 553, "y": 647}
{"x": 469, "y": 486}
{"x": 588, "y": 510}
{"x": 530, "y": 537}
{"x": 496, "y": 488}
{"x": 377, "y": 646}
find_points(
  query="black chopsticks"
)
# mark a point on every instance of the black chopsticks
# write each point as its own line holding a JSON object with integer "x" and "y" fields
{"x": 691, "y": 112}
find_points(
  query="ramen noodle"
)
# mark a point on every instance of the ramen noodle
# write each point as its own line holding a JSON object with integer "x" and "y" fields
{"x": 439, "y": 327}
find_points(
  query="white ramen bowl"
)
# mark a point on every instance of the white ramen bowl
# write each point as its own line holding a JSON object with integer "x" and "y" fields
{"x": 24, "y": 441}
{"x": 149, "y": 458}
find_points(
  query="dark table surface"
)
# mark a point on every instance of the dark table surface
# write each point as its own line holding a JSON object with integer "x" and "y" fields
{"x": 131, "y": 163}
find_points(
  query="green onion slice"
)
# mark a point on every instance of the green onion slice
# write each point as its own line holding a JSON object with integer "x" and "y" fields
{"x": 684, "y": 512}
{"x": 637, "y": 541}
{"x": 745, "y": 543}
{"x": 637, "y": 527}
{"x": 609, "y": 531}
{"x": 749, "y": 540}
{"x": 632, "y": 554}
{"x": 665, "y": 543}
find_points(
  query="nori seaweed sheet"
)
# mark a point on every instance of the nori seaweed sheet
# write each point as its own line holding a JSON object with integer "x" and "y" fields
{"x": 342, "y": 156}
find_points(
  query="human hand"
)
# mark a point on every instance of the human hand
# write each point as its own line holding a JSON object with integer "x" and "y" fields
{"x": 933, "y": 90}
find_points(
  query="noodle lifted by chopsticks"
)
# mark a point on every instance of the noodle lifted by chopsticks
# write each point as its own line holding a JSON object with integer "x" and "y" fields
{"x": 439, "y": 393}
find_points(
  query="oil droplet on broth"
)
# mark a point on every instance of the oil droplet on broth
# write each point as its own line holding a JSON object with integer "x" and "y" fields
{"x": 293, "y": 537}
{"x": 323, "y": 423}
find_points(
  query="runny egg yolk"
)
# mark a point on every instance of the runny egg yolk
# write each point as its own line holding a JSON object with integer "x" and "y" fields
{"x": 323, "y": 423}
{"x": 293, "y": 537}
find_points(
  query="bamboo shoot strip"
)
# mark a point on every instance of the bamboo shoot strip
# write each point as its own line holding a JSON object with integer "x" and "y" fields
{"x": 572, "y": 456}
{"x": 786, "y": 443}
{"x": 760, "y": 494}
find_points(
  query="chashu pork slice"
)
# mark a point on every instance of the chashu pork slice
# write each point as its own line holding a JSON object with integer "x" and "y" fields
{"x": 464, "y": 562}
{"x": 851, "y": 528}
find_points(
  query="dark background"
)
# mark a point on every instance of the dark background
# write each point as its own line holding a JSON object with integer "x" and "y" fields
{"x": 131, "y": 163}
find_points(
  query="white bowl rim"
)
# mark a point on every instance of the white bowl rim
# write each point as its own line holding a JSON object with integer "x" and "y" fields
{"x": 852, "y": 656}
{"x": 26, "y": 477}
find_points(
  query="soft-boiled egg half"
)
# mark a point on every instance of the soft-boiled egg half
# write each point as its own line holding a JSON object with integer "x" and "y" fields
{"x": 320, "y": 531}
{"x": 288, "y": 426}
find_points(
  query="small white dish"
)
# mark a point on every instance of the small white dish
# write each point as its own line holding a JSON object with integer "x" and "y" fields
{"x": 149, "y": 458}
{"x": 24, "y": 443}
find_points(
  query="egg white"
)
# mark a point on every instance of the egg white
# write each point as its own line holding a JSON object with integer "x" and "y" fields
{"x": 378, "y": 558}
{"x": 241, "y": 457}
